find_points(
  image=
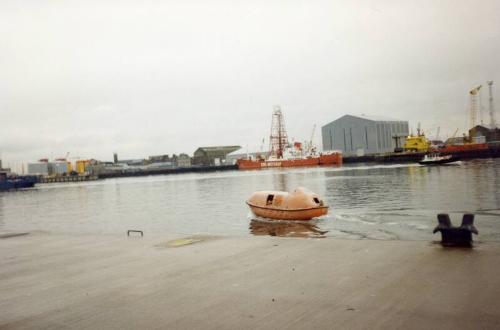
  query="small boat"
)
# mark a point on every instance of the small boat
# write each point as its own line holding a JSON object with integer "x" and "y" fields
{"x": 301, "y": 204}
{"x": 19, "y": 182}
{"x": 436, "y": 159}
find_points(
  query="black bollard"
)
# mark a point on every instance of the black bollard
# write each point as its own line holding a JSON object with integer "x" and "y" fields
{"x": 456, "y": 236}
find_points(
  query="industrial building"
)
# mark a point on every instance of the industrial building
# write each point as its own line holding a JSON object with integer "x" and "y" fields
{"x": 4, "y": 170}
{"x": 212, "y": 155}
{"x": 363, "y": 135}
{"x": 487, "y": 134}
{"x": 57, "y": 167}
{"x": 81, "y": 166}
{"x": 183, "y": 160}
{"x": 161, "y": 159}
{"x": 234, "y": 156}
{"x": 38, "y": 168}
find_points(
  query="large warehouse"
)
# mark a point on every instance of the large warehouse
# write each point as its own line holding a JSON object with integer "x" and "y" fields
{"x": 212, "y": 155}
{"x": 363, "y": 135}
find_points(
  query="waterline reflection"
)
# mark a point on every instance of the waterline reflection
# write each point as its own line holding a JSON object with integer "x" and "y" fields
{"x": 280, "y": 228}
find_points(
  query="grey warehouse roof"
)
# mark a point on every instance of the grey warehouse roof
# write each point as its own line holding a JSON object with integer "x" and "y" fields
{"x": 371, "y": 118}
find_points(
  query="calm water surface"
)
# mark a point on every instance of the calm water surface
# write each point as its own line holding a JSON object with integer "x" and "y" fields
{"x": 367, "y": 201}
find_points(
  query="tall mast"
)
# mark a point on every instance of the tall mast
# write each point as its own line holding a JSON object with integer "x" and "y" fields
{"x": 474, "y": 96}
{"x": 278, "y": 139}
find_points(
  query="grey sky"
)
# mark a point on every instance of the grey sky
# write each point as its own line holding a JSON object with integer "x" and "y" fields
{"x": 154, "y": 77}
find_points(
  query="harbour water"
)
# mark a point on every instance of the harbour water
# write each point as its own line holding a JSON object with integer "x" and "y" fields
{"x": 368, "y": 201}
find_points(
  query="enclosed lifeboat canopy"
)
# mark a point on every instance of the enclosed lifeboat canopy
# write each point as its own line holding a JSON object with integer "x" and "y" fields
{"x": 301, "y": 204}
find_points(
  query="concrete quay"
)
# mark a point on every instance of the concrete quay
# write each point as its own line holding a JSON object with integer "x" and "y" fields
{"x": 52, "y": 281}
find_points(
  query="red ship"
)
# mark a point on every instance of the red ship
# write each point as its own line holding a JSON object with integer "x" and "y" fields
{"x": 458, "y": 148}
{"x": 282, "y": 154}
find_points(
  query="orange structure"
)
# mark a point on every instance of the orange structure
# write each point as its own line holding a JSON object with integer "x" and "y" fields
{"x": 301, "y": 204}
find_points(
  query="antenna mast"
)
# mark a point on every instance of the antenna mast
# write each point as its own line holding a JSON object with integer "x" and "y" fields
{"x": 278, "y": 139}
{"x": 493, "y": 123}
{"x": 474, "y": 95}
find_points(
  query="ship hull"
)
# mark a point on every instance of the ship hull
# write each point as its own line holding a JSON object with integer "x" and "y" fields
{"x": 19, "y": 183}
{"x": 322, "y": 160}
{"x": 450, "y": 149}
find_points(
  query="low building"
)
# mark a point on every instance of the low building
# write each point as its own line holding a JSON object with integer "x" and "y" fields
{"x": 490, "y": 135}
{"x": 38, "y": 168}
{"x": 81, "y": 166}
{"x": 5, "y": 170}
{"x": 212, "y": 155}
{"x": 59, "y": 168}
{"x": 132, "y": 162}
{"x": 161, "y": 159}
{"x": 362, "y": 135}
{"x": 183, "y": 160}
{"x": 234, "y": 156}
{"x": 159, "y": 165}
{"x": 458, "y": 140}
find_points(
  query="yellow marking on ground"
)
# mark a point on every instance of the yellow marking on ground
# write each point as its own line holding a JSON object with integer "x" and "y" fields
{"x": 183, "y": 241}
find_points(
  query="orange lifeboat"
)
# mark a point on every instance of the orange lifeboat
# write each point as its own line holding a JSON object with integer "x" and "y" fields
{"x": 301, "y": 204}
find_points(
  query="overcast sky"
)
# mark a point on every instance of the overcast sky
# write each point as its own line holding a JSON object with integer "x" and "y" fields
{"x": 161, "y": 77}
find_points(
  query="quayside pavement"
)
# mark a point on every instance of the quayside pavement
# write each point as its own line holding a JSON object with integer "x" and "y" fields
{"x": 174, "y": 282}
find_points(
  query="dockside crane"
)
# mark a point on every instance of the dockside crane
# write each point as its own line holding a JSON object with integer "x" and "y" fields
{"x": 493, "y": 123}
{"x": 310, "y": 143}
{"x": 63, "y": 159}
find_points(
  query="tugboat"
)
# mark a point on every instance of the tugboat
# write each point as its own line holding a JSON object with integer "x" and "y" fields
{"x": 436, "y": 159}
{"x": 301, "y": 204}
{"x": 8, "y": 183}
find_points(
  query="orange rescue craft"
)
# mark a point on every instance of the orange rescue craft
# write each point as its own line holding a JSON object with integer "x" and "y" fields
{"x": 301, "y": 204}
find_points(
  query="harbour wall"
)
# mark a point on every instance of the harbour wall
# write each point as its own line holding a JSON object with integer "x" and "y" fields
{"x": 491, "y": 152}
{"x": 192, "y": 169}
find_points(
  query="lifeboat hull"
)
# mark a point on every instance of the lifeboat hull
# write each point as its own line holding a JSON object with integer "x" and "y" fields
{"x": 301, "y": 204}
{"x": 280, "y": 214}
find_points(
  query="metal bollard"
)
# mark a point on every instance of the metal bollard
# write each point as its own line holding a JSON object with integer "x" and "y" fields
{"x": 456, "y": 236}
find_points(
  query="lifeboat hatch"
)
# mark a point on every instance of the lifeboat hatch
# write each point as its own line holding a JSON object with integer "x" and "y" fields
{"x": 269, "y": 200}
